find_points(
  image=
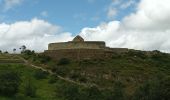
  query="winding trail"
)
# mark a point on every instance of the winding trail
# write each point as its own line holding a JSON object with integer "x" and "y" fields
{"x": 52, "y": 73}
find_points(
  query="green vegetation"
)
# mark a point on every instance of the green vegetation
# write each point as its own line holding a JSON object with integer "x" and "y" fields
{"x": 28, "y": 88}
{"x": 155, "y": 89}
{"x": 9, "y": 82}
{"x": 18, "y": 81}
{"x": 63, "y": 61}
{"x": 40, "y": 74}
{"x": 135, "y": 75}
{"x": 123, "y": 76}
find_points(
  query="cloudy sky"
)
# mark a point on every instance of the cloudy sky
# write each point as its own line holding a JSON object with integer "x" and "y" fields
{"x": 135, "y": 24}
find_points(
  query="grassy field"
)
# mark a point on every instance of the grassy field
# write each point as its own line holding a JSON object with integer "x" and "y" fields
{"x": 131, "y": 76}
{"x": 45, "y": 91}
{"x": 132, "y": 69}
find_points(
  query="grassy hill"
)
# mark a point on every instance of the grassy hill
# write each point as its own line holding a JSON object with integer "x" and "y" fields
{"x": 135, "y": 75}
{"x": 38, "y": 81}
{"x": 128, "y": 72}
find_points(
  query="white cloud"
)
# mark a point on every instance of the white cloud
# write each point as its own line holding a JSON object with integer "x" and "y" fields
{"x": 11, "y": 3}
{"x": 151, "y": 14}
{"x": 117, "y": 6}
{"x": 127, "y": 4}
{"x": 146, "y": 29}
{"x": 111, "y": 12}
{"x": 35, "y": 34}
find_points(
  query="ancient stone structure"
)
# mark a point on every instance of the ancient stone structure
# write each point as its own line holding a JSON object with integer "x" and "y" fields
{"x": 79, "y": 49}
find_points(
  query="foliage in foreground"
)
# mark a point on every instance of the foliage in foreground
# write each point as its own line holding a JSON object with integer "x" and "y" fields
{"x": 113, "y": 78}
{"x": 17, "y": 82}
{"x": 9, "y": 82}
{"x": 155, "y": 89}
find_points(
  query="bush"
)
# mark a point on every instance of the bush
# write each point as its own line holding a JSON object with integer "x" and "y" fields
{"x": 28, "y": 52}
{"x": 140, "y": 54}
{"x": 74, "y": 92}
{"x": 62, "y": 70}
{"x": 52, "y": 79}
{"x": 118, "y": 91}
{"x": 39, "y": 74}
{"x": 67, "y": 91}
{"x": 156, "y": 89}
{"x": 63, "y": 61}
{"x": 9, "y": 83}
{"x": 83, "y": 79}
{"x": 6, "y": 52}
{"x": 29, "y": 89}
{"x": 36, "y": 58}
{"x": 43, "y": 58}
{"x": 90, "y": 93}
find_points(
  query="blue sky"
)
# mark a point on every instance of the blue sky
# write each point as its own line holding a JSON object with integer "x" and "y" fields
{"x": 134, "y": 24}
{"x": 71, "y": 15}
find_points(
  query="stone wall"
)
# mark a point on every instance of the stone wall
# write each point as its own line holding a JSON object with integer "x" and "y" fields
{"x": 77, "y": 54}
{"x": 77, "y": 50}
{"x": 77, "y": 45}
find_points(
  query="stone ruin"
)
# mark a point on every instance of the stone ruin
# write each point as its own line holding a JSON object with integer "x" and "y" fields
{"x": 78, "y": 49}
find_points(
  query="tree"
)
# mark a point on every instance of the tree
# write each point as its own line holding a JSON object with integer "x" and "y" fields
{"x": 6, "y": 52}
{"x": 14, "y": 50}
{"x": 23, "y": 48}
{"x": 9, "y": 83}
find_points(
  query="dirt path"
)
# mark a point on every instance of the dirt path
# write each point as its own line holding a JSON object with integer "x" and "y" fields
{"x": 52, "y": 73}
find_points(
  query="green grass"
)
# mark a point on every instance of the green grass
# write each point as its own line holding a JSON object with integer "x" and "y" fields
{"x": 132, "y": 70}
{"x": 7, "y": 58}
{"x": 45, "y": 91}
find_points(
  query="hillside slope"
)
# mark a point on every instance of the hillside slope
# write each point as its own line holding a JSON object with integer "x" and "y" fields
{"x": 132, "y": 70}
{"x": 32, "y": 84}
{"x": 135, "y": 75}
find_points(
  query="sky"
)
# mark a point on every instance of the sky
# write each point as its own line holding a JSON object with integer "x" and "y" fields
{"x": 134, "y": 24}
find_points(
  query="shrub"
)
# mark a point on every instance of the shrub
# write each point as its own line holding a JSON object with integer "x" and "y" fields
{"x": 118, "y": 91}
{"x": 74, "y": 75}
{"x": 139, "y": 54}
{"x": 90, "y": 93}
{"x": 43, "y": 58}
{"x": 62, "y": 70}
{"x": 74, "y": 92}
{"x": 9, "y": 83}
{"x": 29, "y": 89}
{"x": 63, "y": 61}
{"x": 28, "y": 52}
{"x": 39, "y": 74}
{"x": 67, "y": 91}
{"x": 6, "y": 52}
{"x": 83, "y": 79}
{"x": 52, "y": 79}
{"x": 156, "y": 89}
